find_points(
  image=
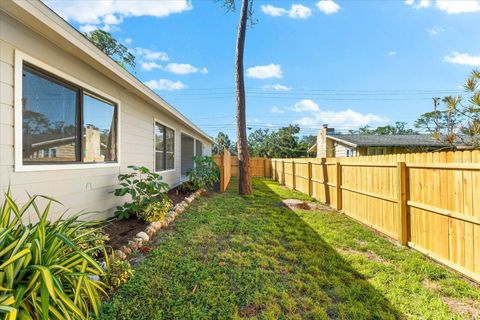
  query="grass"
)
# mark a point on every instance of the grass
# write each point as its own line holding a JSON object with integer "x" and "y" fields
{"x": 232, "y": 257}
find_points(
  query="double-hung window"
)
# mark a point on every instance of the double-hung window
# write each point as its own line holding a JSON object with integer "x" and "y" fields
{"x": 164, "y": 148}
{"x": 64, "y": 123}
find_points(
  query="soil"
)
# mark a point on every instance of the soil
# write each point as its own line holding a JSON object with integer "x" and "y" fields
{"x": 121, "y": 231}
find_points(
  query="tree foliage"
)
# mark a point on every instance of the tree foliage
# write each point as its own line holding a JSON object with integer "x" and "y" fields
{"x": 398, "y": 128}
{"x": 458, "y": 119}
{"x": 111, "y": 47}
{"x": 221, "y": 142}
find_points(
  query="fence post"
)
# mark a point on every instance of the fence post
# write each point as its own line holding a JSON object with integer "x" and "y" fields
{"x": 402, "y": 203}
{"x": 264, "y": 167}
{"x": 338, "y": 185}
{"x": 309, "y": 176}
{"x": 293, "y": 175}
{"x": 283, "y": 172}
{"x": 222, "y": 171}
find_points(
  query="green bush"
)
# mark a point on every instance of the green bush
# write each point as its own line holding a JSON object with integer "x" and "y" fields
{"x": 43, "y": 272}
{"x": 186, "y": 187}
{"x": 205, "y": 173}
{"x": 118, "y": 271}
{"x": 156, "y": 210}
{"x": 143, "y": 186}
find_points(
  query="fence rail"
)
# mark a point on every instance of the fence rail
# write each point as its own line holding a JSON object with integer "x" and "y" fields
{"x": 428, "y": 201}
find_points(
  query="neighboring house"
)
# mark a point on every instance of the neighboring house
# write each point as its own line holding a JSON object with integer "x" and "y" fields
{"x": 72, "y": 119}
{"x": 330, "y": 144}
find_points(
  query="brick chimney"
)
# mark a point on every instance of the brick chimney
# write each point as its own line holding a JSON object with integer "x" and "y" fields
{"x": 325, "y": 147}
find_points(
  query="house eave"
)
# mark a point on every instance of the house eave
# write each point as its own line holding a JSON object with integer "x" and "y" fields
{"x": 38, "y": 17}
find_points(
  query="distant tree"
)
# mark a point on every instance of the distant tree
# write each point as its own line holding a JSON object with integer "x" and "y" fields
{"x": 398, "y": 128}
{"x": 457, "y": 120}
{"x": 221, "y": 142}
{"x": 111, "y": 47}
{"x": 260, "y": 143}
{"x": 246, "y": 13}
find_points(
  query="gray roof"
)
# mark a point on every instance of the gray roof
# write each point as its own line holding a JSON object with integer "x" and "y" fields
{"x": 395, "y": 140}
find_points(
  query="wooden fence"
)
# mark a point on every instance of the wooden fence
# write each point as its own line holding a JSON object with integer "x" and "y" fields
{"x": 224, "y": 161}
{"x": 428, "y": 201}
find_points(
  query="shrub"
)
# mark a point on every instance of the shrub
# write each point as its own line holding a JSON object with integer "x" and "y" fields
{"x": 43, "y": 272}
{"x": 186, "y": 187}
{"x": 92, "y": 238}
{"x": 156, "y": 210}
{"x": 205, "y": 173}
{"x": 118, "y": 271}
{"x": 143, "y": 186}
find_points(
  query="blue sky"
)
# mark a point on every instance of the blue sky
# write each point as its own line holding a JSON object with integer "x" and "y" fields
{"x": 345, "y": 63}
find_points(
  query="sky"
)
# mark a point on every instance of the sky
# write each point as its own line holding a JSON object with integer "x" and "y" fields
{"x": 343, "y": 63}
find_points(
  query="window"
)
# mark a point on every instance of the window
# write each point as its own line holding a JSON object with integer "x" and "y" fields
{"x": 61, "y": 123}
{"x": 164, "y": 148}
{"x": 198, "y": 148}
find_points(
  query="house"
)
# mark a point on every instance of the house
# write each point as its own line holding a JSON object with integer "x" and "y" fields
{"x": 72, "y": 119}
{"x": 330, "y": 144}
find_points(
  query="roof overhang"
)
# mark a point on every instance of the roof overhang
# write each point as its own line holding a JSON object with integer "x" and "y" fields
{"x": 40, "y": 18}
{"x": 335, "y": 138}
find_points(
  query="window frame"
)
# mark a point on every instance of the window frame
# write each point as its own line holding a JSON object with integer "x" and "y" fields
{"x": 56, "y": 75}
{"x": 166, "y": 126}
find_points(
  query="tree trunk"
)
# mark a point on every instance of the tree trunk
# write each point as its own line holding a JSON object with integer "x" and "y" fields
{"x": 244, "y": 182}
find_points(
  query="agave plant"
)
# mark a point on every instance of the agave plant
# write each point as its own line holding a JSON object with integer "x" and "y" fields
{"x": 43, "y": 273}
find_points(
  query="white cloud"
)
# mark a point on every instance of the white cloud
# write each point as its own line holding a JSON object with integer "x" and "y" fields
{"x": 102, "y": 11}
{"x": 151, "y": 55}
{"x": 433, "y": 31}
{"x": 184, "y": 68}
{"x": 276, "y": 109}
{"x": 165, "y": 84}
{"x": 448, "y": 6}
{"x": 305, "y": 105}
{"x": 148, "y": 66}
{"x": 392, "y": 53}
{"x": 463, "y": 58}
{"x": 346, "y": 119}
{"x": 88, "y": 28}
{"x": 418, "y": 4}
{"x": 265, "y": 72}
{"x": 128, "y": 41}
{"x": 458, "y": 6}
{"x": 296, "y": 11}
{"x": 276, "y": 87}
{"x": 328, "y": 6}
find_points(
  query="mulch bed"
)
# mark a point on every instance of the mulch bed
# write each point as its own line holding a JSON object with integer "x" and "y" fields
{"x": 121, "y": 231}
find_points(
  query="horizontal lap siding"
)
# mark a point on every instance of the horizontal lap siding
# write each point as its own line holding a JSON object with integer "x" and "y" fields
{"x": 77, "y": 189}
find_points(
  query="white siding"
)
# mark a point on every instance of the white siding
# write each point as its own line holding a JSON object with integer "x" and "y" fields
{"x": 344, "y": 151}
{"x": 77, "y": 189}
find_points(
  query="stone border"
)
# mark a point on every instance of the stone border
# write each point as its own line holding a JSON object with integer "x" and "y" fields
{"x": 144, "y": 237}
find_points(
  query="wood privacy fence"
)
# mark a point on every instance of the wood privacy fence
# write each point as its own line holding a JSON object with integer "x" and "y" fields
{"x": 259, "y": 167}
{"x": 428, "y": 201}
{"x": 224, "y": 161}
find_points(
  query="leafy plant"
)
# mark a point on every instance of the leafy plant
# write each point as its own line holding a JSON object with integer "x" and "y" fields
{"x": 43, "y": 272}
{"x": 143, "y": 187}
{"x": 93, "y": 237}
{"x": 118, "y": 271}
{"x": 186, "y": 187}
{"x": 205, "y": 173}
{"x": 156, "y": 210}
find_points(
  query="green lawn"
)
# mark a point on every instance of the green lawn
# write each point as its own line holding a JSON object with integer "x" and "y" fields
{"x": 232, "y": 257}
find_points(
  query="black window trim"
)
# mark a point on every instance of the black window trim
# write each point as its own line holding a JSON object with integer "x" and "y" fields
{"x": 79, "y": 117}
{"x": 164, "y": 149}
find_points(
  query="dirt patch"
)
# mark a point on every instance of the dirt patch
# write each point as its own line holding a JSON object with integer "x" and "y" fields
{"x": 466, "y": 308}
{"x": 121, "y": 231}
{"x": 177, "y": 196}
{"x": 250, "y": 311}
{"x": 370, "y": 255}
{"x": 295, "y": 204}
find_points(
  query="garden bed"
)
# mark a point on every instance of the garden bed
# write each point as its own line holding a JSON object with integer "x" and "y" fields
{"x": 122, "y": 231}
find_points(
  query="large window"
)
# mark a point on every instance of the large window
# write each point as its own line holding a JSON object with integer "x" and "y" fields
{"x": 62, "y": 123}
{"x": 164, "y": 148}
{"x": 198, "y": 148}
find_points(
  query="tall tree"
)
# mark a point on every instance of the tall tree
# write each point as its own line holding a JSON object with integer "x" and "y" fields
{"x": 458, "y": 120}
{"x": 398, "y": 128}
{"x": 244, "y": 181}
{"x": 221, "y": 142}
{"x": 111, "y": 47}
